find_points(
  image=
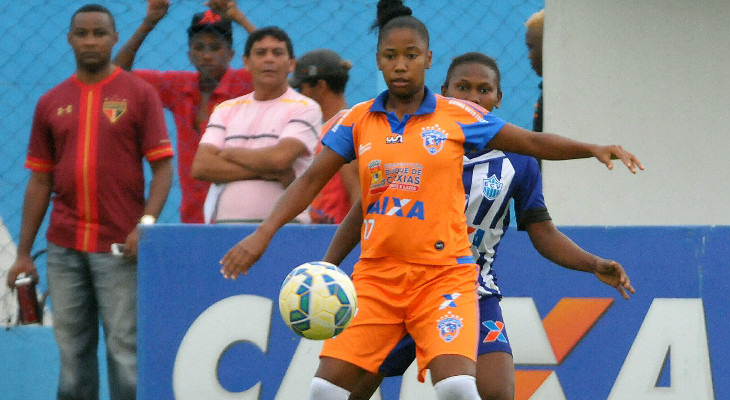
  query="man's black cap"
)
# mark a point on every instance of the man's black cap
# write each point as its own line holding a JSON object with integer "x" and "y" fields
{"x": 209, "y": 21}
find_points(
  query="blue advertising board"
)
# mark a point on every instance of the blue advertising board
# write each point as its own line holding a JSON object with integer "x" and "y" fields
{"x": 201, "y": 336}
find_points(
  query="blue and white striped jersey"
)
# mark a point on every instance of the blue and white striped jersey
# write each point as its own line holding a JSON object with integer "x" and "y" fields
{"x": 491, "y": 178}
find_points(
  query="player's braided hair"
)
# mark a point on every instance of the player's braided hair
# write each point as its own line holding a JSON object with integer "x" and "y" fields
{"x": 394, "y": 14}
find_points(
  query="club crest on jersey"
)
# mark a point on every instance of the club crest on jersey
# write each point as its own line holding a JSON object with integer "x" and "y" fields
{"x": 449, "y": 326}
{"x": 433, "y": 138}
{"x": 492, "y": 187}
{"x": 114, "y": 109}
{"x": 378, "y": 183}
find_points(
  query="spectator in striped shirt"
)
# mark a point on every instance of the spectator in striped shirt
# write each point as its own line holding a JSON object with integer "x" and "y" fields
{"x": 256, "y": 144}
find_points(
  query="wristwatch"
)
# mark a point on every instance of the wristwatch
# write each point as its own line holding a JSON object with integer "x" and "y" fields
{"x": 148, "y": 219}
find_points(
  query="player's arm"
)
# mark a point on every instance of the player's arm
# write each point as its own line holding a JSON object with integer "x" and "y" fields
{"x": 351, "y": 181}
{"x": 347, "y": 235}
{"x": 230, "y": 10}
{"x": 549, "y": 146}
{"x": 37, "y": 198}
{"x": 560, "y": 249}
{"x": 295, "y": 199}
{"x": 156, "y": 9}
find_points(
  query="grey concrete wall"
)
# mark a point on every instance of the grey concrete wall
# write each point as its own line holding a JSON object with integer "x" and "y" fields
{"x": 653, "y": 76}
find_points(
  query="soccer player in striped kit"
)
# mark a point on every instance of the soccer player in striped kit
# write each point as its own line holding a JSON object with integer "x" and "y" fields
{"x": 409, "y": 143}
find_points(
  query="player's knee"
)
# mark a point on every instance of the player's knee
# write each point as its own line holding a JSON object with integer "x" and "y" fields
{"x": 459, "y": 387}
{"x": 322, "y": 389}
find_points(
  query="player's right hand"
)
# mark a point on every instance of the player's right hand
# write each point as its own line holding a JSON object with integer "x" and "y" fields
{"x": 239, "y": 259}
{"x": 156, "y": 10}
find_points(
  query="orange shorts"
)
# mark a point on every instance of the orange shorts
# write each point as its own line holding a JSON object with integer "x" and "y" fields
{"x": 436, "y": 304}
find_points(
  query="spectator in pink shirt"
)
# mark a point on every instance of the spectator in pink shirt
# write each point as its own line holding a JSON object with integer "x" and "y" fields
{"x": 191, "y": 96}
{"x": 256, "y": 144}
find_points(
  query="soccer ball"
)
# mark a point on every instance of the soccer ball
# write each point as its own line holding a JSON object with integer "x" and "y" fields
{"x": 317, "y": 300}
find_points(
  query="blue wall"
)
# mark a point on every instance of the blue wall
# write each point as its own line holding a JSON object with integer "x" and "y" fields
{"x": 180, "y": 280}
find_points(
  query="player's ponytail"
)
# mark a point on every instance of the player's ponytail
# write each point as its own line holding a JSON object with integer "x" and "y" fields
{"x": 389, "y": 9}
{"x": 395, "y": 14}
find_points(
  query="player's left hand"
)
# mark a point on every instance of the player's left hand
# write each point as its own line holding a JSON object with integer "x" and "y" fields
{"x": 605, "y": 154}
{"x": 241, "y": 257}
{"x": 612, "y": 273}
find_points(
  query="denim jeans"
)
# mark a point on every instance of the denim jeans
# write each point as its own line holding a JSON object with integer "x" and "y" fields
{"x": 85, "y": 287}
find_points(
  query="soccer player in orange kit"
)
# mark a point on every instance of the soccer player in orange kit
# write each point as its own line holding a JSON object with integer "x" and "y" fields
{"x": 409, "y": 144}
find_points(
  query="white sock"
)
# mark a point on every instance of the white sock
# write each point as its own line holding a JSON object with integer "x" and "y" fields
{"x": 459, "y": 387}
{"x": 324, "y": 390}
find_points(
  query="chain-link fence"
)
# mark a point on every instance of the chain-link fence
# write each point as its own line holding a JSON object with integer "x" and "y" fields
{"x": 36, "y": 56}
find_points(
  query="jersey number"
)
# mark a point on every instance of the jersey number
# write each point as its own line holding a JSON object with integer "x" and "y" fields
{"x": 368, "y": 225}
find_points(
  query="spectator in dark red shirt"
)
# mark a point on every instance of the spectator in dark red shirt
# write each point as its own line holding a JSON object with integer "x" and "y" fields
{"x": 191, "y": 96}
{"x": 89, "y": 138}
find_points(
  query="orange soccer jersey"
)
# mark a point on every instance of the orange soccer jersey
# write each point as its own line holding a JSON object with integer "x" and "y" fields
{"x": 410, "y": 175}
{"x": 416, "y": 272}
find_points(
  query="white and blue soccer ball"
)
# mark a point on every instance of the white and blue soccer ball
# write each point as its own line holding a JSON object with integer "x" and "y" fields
{"x": 317, "y": 300}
